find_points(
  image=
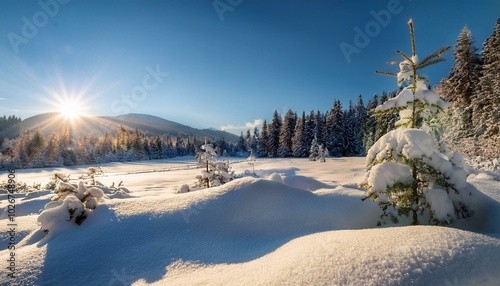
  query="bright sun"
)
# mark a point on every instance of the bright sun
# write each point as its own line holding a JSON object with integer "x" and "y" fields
{"x": 70, "y": 110}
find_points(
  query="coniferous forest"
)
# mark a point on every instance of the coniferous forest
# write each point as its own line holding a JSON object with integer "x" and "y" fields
{"x": 471, "y": 126}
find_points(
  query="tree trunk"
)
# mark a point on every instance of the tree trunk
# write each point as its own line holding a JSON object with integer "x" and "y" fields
{"x": 414, "y": 195}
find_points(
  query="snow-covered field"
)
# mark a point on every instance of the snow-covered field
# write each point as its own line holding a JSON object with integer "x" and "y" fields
{"x": 296, "y": 222}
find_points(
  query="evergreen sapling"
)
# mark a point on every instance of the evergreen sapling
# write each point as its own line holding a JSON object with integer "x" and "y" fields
{"x": 407, "y": 174}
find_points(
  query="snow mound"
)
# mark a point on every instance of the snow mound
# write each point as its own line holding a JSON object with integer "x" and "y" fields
{"x": 393, "y": 256}
{"x": 276, "y": 178}
{"x": 234, "y": 223}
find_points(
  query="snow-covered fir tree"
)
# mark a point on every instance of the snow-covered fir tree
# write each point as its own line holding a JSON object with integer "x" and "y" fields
{"x": 286, "y": 134}
{"x": 263, "y": 141}
{"x": 336, "y": 130}
{"x": 359, "y": 122}
{"x": 274, "y": 134}
{"x": 407, "y": 174}
{"x": 298, "y": 144}
{"x": 460, "y": 86}
{"x": 370, "y": 124}
{"x": 214, "y": 173}
{"x": 486, "y": 99}
{"x": 350, "y": 132}
{"x": 314, "y": 150}
{"x": 309, "y": 130}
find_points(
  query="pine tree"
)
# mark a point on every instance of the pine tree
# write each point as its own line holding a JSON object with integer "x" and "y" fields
{"x": 35, "y": 149}
{"x": 263, "y": 142}
{"x": 314, "y": 151}
{"x": 309, "y": 130}
{"x": 336, "y": 140}
{"x": 298, "y": 145}
{"x": 274, "y": 134}
{"x": 486, "y": 101}
{"x": 214, "y": 173}
{"x": 286, "y": 134}
{"x": 52, "y": 152}
{"x": 319, "y": 120}
{"x": 242, "y": 145}
{"x": 370, "y": 124}
{"x": 248, "y": 141}
{"x": 349, "y": 132}
{"x": 359, "y": 122}
{"x": 407, "y": 175}
{"x": 461, "y": 84}
{"x": 255, "y": 139}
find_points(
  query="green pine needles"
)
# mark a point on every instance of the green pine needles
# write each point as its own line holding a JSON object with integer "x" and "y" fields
{"x": 406, "y": 173}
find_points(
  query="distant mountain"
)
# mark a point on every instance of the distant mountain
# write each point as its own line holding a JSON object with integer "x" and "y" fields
{"x": 98, "y": 125}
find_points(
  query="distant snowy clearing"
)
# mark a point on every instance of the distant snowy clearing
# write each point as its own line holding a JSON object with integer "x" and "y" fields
{"x": 295, "y": 222}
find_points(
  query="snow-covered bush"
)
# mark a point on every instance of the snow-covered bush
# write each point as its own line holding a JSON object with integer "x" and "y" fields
{"x": 409, "y": 173}
{"x": 92, "y": 172}
{"x": 56, "y": 214}
{"x": 317, "y": 152}
{"x": 55, "y": 179}
{"x": 21, "y": 187}
{"x": 70, "y": 204}
{"x": 251, "y": 161}
{"x": 214, "y": 173}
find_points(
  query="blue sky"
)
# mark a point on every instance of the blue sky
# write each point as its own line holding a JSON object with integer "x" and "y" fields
{"x": 216, "y": 63}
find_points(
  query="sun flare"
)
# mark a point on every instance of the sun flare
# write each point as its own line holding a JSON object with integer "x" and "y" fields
{"x": 71, "y": 109}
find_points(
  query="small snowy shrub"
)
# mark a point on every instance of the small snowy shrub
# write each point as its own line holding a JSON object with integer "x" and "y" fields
{"x": 92, "y": 172}
{"x": 55, "y": 179}
{"x": 55, "y": 215}
{"x": 70, "y": 204}
{"x": 214, "y": 173}
{"x": 317, "y": 152}
{"x": 407, "y": 173}
{"x": 251, "y": 161}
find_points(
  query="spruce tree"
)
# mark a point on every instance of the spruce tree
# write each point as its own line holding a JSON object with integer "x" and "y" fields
{"x": 286, "y": 134}
{"x": 274, "y": 134}
{"x": 486, "y": 101}
{"x": 298, "y": 144}
{"x": 336, "y": 140}
{"x": 461, "y": 84}
{"x": 314, "y": 152}
{"x": 349, "y": 132}
{"x": 407, "y": 175}
{"x": 309, "y": 130}
{"x": 370, "y": 124}
{"x": 263, "y": 142}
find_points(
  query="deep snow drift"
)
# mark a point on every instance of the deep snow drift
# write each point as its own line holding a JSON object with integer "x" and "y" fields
{"x": 295, "y": 222}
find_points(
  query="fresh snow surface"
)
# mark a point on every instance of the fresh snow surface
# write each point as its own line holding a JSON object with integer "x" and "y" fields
{"x": 309, "y": 228}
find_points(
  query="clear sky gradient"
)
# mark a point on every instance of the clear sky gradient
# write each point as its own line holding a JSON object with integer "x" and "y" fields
{"x": 216, "y": 63}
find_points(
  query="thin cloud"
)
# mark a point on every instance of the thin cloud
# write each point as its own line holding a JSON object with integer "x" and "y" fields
{"x": 237, "y": 129}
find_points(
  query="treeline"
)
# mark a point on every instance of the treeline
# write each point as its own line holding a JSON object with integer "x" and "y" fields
{"x": 342, "y": 132}
{"x": 472, "y": 125}
{"x": 34, "y": 150}
{"x": 8, "y": 121}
